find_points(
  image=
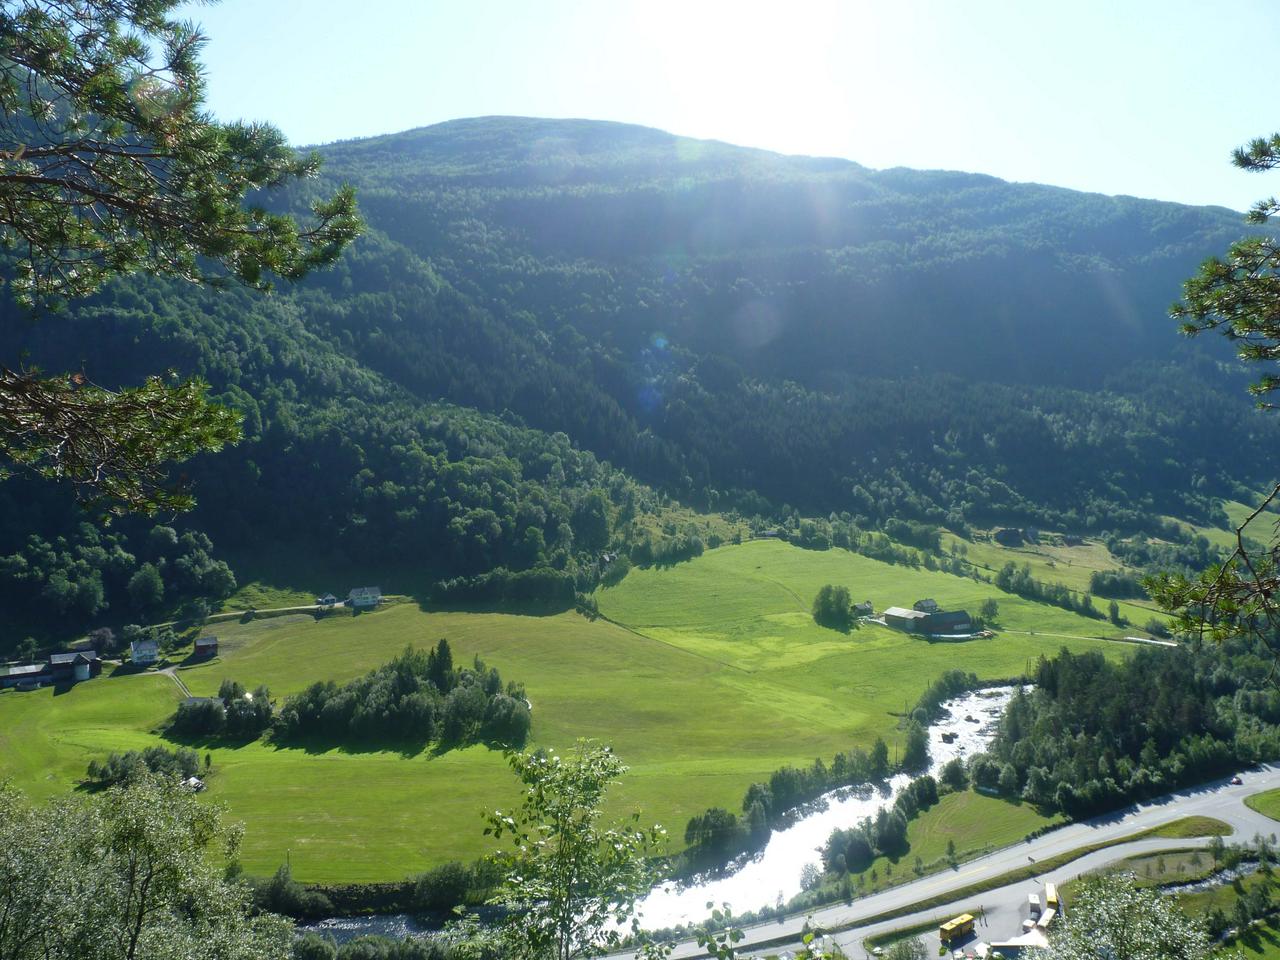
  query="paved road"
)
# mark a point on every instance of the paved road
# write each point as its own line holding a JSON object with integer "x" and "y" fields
{"x": 1002, "y": 906}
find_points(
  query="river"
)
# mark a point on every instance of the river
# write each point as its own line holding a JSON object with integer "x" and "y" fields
{"x": 775, "y": 872}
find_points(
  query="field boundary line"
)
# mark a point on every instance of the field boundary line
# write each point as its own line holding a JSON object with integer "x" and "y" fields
{"x": 673, "y": 646}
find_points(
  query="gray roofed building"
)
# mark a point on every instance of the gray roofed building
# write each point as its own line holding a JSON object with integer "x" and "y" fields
{"x": 365, "y": 596}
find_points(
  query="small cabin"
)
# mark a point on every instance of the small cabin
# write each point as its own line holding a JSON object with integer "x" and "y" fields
{"x": 864, "y": 609}
{"x": 206, "y": 647}
{"x": 926, "y": 606}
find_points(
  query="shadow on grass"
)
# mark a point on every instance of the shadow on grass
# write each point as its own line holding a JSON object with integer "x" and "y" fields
{"x": 209, "y": 741}
{"x": 529, "y": 609}
{"x": 407, "y": 749}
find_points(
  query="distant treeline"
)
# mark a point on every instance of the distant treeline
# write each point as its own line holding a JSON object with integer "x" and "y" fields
{"x": 1116, "y": 584}
{"x": 541, "y": 590}
{"x": 417, "y": 698}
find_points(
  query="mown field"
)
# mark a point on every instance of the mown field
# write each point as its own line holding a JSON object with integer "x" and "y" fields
{"x": 712, "y": 676}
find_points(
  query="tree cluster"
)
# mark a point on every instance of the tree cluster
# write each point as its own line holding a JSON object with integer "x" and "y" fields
{"x": 1015, "y": 579}
{"x": 121, "y": 768}
{"x": 418, "y": 697}
{"x": 833, "y": 608}
{"x": 718, "y": 835}
{"x": 1095, "y": 735}
{"x": 852, "y": 850}
{"x": 235, "y": 712}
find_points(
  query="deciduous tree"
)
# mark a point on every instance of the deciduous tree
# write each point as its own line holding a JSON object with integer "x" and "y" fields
{"x": 128, "y": 873}
{"x": 1111, "y": 917}
{"x": 572, "y": 883}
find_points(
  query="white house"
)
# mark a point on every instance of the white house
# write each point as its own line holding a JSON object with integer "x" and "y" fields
{"x": 144, "y": 652}
{"x": 362, "y": 598}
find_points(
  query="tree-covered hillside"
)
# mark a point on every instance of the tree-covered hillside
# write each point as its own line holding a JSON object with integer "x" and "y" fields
{"x": 544, "y": 310}
{"x": 720, "y": 320}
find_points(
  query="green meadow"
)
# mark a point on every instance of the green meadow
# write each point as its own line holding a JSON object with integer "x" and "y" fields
{"x": 1053, "y": 563}
{"x": 705, "y": 676}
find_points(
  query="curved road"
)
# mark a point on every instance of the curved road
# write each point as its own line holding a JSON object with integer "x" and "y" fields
{"x": 1002, "y": 907}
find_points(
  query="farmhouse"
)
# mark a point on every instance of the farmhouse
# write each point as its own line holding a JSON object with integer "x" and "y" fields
{"x": 363, "y": 598}
{"x": 864, "y": 609}
{"x": 73, "y": 666}
{"x": 206, "y": 647}
{"x": 901, "y": 618}
{"x": 144, "y": 652}
{"x": 925, "y": 606}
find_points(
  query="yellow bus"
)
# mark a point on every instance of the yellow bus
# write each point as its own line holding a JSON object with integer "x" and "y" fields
{"x": 957, "y": 927}
{"x": 1051, "y": 897}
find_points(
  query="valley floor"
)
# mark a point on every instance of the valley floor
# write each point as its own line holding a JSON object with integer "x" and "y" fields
{"x": 705, "y": 677}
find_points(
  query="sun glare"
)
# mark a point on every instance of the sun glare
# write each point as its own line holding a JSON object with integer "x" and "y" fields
{"x": 787, "y": 78}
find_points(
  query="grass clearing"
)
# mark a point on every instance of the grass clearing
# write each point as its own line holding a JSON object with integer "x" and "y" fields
{"x": 1266, "y": 803}
{"x": 975, "y": 823}
{"x": 713, "y": 677}
{"x": 1192, "y": 827}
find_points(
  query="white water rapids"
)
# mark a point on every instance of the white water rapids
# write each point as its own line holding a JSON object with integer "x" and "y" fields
{"x": 775, "y": 872}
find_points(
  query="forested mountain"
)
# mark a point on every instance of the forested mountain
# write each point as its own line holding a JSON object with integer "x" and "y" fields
{"x": 537, "y": 300}
{"x": 719, "y": 319}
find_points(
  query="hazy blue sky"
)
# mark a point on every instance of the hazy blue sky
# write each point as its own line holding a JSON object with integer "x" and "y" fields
{"x": 1126, "y": 96}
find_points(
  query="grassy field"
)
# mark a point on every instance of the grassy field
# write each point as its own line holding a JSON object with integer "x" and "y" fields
{"x": 1051, "y": 563}
{"x": 713, "y": 676}
{"x": 1266, "y": 803}
{"x": 974, "y": 823}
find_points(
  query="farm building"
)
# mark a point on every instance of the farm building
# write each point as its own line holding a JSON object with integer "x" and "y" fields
{"x": 925, "y": 606}
{"x": 144, "y": 652}
{"x": 933, "y": 622}
{"x": 947, "y": 622}
{"x": 73, "y": 666}
{"x": 864, "y": 609}
{"x": 14, "y": 675}
{"x": 206, "y": 647}
{"x": 901, "y": 618}
{"x": 363, "y": 598}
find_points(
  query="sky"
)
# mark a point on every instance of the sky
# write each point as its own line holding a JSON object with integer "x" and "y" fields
{"x": 1120, "y": 97}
